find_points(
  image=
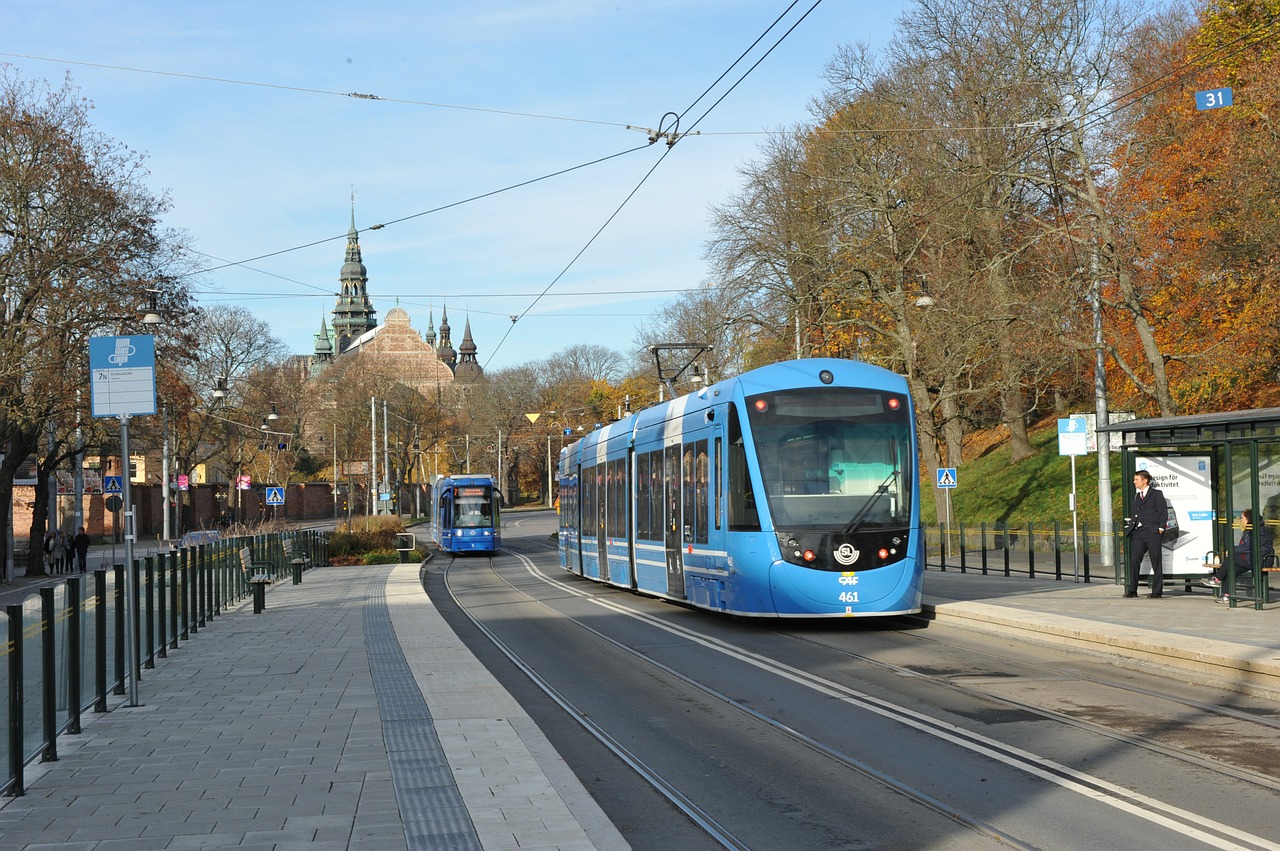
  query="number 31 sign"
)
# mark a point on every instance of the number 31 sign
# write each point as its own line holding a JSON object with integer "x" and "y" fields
{"x": 1213, "y": 98}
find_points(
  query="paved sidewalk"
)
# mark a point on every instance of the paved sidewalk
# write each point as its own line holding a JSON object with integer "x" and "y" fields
{"x": 1236, "y": 648}
{"x": 306, "y": 726}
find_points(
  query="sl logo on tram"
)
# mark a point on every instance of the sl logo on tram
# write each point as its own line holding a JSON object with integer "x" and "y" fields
{"x": 846, "y": 553}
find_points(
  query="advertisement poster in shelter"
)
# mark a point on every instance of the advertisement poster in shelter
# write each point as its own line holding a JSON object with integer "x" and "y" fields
{"x": 1187, "y": 484}
{"x": 1268, "y": 492}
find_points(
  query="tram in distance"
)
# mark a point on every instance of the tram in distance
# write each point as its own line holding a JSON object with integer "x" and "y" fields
{"x": 789, "y": 491}
{"x": 466, "y": 517}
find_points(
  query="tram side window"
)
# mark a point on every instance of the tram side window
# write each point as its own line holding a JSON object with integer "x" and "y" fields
{"x": 654, "y": 495}
{"x": 611, "y": 497}
{"x": 690, "y": 515}
{"x": 606, "y": 497}
{"x": 574, "y": 500}
{"x": 717, "y": 485}
{"x": 600, "y": 497}
{"x": 620, "y": 497}
{"x": 642, "y": 495}
{"x": 577, "y": 502}
{"x": 701, "y": 497}
{"x": 743, "y": 516}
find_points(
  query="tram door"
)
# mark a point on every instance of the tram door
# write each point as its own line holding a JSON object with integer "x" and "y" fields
{"x": 579, "y": 520}
{"x": 672, "y": 525}
{"x": 602, "y": 515}
{"x": 629, "y": 502}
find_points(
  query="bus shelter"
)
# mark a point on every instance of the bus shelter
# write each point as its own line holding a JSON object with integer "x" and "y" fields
{"x": 1211, "y": 468}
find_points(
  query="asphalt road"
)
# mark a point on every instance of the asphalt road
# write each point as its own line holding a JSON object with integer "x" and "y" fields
{"x": 859, "y": 734}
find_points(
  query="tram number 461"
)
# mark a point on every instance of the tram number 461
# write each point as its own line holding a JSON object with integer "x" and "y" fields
{"x": 848, "y": 596}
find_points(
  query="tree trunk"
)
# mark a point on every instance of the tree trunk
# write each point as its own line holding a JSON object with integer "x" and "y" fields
{"x": 39, "y": 523}
{"x": 953, "y": 424}
{"x": 926, "y": 425}
{"x": 8, "y": 469}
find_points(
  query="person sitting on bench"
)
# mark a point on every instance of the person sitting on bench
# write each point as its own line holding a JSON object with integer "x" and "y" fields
{"x": 1242, "y": 556}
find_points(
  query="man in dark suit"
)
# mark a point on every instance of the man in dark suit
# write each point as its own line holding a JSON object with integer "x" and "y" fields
{"x": 1150, "y": 514}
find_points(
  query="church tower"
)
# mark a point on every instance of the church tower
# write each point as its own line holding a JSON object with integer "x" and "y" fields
{"x": 468, "y": 370}
{"x": 353, "y": 314}
{"x": 445, "y": 350}
{"x": 324, "y": 348}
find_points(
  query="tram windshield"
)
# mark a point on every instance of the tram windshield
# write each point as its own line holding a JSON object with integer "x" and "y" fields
{"x": 834, "y": 457}
{"x": 472, "y": 508}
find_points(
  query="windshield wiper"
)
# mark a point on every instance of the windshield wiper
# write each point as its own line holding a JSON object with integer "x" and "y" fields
{"x": 856, "y": 520}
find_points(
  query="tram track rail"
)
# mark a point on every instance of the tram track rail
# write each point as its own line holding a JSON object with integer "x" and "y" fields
{"x": 715, "y": 830}
{"x": 1134, "y": 740}
{"x": 720, "y": 834}
{"x": 1182, "y": 754}
{"x": 1220, "y": 835}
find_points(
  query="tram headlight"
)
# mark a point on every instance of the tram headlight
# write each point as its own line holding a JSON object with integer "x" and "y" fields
{"x": 883, "y": 553}
{"x": 809, "y": 555}
{"x": 826, "y": 377}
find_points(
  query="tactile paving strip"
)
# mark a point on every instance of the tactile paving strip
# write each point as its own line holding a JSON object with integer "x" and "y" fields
{"x": 431, "y": 807}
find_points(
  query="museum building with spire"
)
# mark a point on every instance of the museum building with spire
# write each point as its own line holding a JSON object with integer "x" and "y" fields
{"x": 352, "y": 335}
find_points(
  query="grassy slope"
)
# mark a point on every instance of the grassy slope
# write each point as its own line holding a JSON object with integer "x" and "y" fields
{"x": 993, "y": 489}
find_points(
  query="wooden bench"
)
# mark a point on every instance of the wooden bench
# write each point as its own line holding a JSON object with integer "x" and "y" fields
{"x": 299, "y": 561}
{"x": 257, "y": 578}
{"x": 1269, "y": 565}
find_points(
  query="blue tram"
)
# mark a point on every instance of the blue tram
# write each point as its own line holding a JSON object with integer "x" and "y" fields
{"x": 465, "y": 513}
{"x": 788, "y": 491}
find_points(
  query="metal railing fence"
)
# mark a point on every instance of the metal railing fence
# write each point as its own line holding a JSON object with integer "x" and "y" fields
{"x": 1030, "y": 549}
{"x": 64, "y": 650}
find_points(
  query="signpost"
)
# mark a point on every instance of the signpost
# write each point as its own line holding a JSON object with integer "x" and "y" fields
{"x": 947, "y": 480}
{"x": 122, "y": 383}
{"x": 1073, "y": 440}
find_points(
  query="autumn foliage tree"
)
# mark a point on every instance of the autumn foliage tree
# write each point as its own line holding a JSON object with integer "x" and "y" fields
{"x": 1199, "y": 192}
{"x": 81, "y": 246}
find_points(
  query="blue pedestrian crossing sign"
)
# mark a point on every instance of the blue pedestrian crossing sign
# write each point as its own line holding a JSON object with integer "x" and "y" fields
{"x": 946, "y": 477}
{"x": 113, "y": 484}
{"x": 275, "y": 496}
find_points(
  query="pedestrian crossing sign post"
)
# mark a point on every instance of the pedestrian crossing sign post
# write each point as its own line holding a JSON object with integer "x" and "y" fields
{"x": 947, "y": 480}
{"x": 113, "y": 484}
{"x": 275, "y": 496}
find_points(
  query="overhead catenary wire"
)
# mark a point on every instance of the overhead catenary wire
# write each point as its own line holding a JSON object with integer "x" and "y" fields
{"x": 672, "y": 139}
{"x": 441, "y": 208}
{"x": 307, "y": 90}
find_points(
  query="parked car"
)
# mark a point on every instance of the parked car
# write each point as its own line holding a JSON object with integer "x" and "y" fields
{"x": 203, "y": 536}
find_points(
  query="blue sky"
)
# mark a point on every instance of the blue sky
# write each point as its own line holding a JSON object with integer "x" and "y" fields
{"x": 269, "y": 162}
